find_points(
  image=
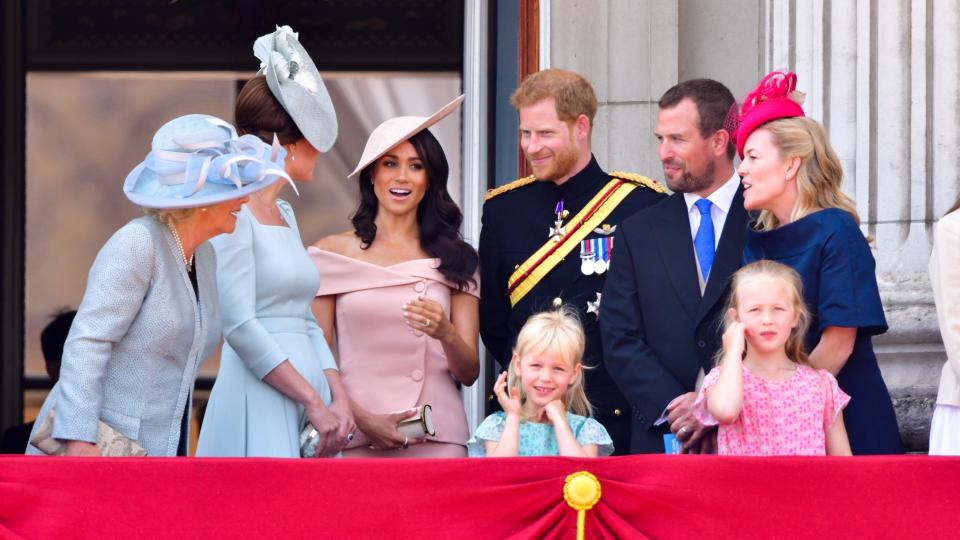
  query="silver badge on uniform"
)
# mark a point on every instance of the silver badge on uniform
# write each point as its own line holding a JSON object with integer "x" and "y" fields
{"x": 594, "y": 307}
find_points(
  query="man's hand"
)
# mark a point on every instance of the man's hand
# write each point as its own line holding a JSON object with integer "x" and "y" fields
{"x": 684, "y": 424}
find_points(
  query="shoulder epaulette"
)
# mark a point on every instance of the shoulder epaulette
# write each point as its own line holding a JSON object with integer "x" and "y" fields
{"x": 518, "y": 183}
{"x": 639, "y": 179}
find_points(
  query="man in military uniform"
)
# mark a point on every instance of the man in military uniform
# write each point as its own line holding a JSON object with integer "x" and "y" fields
{"x": 546, "y": 239}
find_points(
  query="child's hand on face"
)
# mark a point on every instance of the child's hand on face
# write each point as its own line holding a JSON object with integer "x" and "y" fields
{"x": 734, "y": 339}
{"x": 555, "y": 412}
{"x": 510, "y": 404}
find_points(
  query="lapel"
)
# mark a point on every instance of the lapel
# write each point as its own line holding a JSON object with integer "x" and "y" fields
{"x": 729, "y": 255}
{"x": 676, "y": 252}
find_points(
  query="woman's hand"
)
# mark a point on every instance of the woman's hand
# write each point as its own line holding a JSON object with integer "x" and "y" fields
{"x": 327, "y": 425}
{"x": 510, "y": 404}
{"x": 341, "y": 409}
{"x": 428, "y": 317}
{"x": 82, "y": 449}
{"x": 381, "y": 429}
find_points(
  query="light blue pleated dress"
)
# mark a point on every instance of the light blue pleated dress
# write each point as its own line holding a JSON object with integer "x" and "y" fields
{"x": 266, "y": 283}
{"x": 538, "y": 439}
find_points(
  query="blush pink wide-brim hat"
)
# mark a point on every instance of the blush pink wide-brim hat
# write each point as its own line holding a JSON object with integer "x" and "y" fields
{"x": 396, "y": 130}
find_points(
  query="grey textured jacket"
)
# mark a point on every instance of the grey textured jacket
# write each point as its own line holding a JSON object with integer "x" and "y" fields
{"x": 138, "y": 339}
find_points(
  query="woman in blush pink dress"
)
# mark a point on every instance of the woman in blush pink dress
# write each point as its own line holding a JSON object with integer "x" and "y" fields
{"x": 399, "y": 293}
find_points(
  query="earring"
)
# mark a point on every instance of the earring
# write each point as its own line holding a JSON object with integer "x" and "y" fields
{"x": 293, "y": 157}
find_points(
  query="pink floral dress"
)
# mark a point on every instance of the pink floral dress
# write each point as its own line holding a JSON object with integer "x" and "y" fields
{"x": 789, "y": 417}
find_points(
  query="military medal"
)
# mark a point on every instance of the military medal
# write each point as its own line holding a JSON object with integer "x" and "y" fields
{"x": 558, "y": 230}
{"x": 587, "y": 255}
{"x": 603, "y": 255}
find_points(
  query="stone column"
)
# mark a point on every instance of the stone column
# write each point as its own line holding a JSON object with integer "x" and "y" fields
{"x": 882, "y": 76}
{"x": 629, "y": 51}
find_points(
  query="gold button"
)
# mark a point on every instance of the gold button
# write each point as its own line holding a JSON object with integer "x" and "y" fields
{"x": 616, "y": 412}
{"x": 557, "y": 302}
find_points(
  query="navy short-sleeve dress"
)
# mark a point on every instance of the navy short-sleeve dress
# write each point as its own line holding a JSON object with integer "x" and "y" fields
{"x": 833, "y": 258}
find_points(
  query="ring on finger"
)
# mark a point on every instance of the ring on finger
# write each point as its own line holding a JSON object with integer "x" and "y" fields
{"x": 426, "y": 322}
{"x": 682, "y": 430}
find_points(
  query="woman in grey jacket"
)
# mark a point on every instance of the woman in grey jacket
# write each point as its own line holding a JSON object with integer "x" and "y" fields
{"x": 149, "y": 316}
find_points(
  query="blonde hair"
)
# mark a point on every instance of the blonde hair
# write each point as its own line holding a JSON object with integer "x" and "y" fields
{"x": 560, "y": 333}
{"x": 820, "y": 174}
{"x": 795, "y": 346}
{"x": 571, "y": 93}
{"x": 170, "y": 217}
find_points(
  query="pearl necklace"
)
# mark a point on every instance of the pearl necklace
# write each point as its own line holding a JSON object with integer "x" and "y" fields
{"x": 183, "y": 254}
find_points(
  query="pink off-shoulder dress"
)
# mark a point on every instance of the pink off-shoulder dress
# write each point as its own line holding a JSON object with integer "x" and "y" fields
{"x": 386, "y": 365}
{"x": 785, "y": 418}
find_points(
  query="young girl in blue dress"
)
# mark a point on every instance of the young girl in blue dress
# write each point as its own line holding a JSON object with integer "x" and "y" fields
{"x": 545, "y": 409}
{"x": 792, "y": 177}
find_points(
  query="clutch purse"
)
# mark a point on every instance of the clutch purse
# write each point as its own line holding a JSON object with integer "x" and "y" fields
{"x": 415, "y": 427}
{"x": 419, "y": 426}
{"x": 309, "y": 439}
{"x": 110, "y": 442}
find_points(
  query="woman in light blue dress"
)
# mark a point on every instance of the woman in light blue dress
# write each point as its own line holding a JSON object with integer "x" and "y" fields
{"x": 276, "y": 370}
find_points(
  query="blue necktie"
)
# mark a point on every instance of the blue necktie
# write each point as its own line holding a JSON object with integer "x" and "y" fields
{"x": 704, "y": 243}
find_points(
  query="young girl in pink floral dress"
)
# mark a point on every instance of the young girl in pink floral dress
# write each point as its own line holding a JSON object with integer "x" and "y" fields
{"x": 763, "y": 394}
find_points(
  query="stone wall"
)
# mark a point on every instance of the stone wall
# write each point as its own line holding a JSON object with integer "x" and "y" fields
{"x": 882, "y": 75}
{"x": 883, "y": 78}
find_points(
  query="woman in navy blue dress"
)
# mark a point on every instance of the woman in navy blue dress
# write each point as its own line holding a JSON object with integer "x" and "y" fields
{"x": 792, "y": 176}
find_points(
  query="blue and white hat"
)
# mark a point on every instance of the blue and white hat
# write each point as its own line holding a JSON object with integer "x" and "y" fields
{"x": 296, "y": 83}
{"x": 198, "y": 160}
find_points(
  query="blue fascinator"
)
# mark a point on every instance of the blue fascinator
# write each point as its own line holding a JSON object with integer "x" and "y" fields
{"x": 198, "y": 160}
{"x": 295, "y": 82}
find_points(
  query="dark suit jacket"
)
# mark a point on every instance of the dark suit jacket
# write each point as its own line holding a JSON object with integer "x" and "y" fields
{"x": 657, "y": 330}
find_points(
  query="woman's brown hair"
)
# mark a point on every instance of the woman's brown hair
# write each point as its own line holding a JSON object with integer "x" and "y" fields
{"x": 259, "y": 113}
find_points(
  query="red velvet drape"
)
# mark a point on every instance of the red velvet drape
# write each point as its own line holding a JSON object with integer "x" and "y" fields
{"x": 642, "y": 497}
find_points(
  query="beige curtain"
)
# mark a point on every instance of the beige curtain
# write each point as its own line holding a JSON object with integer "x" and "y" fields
{"x": 85, "y": 131}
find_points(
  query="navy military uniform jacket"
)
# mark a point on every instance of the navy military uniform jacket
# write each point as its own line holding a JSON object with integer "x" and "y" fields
{"x": 515, "y": 225}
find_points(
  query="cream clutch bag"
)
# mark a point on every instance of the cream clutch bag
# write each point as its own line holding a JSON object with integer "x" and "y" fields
{"x": 415, "y": 427}
{"x": 419, "y": 426}
{"x": 110, "y": 442}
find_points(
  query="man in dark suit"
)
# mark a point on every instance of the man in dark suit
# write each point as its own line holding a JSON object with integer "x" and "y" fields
{"x": 669, "y": 279}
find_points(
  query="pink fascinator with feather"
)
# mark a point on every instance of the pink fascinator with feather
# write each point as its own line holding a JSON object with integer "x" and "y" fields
{"x": 775, "y": 97}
